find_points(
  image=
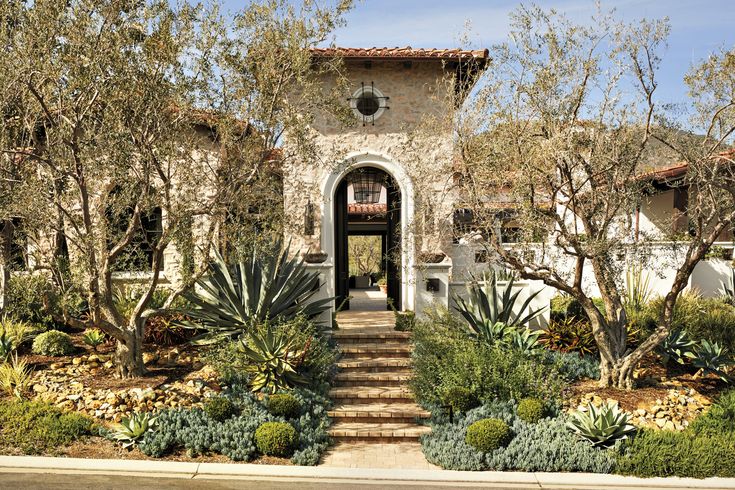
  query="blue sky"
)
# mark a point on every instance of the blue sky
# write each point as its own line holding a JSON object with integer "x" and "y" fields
{"x": 698, "y": 27}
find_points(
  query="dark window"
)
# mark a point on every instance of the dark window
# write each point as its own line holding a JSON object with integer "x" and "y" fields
{"x": 511, "y": 234}
{"x": 463, "y": 219}
{"x": 368, "y": 104}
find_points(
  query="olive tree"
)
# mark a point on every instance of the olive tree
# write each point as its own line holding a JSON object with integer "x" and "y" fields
{"x": 561, "y": 129}
{"x": 141, "y": 109}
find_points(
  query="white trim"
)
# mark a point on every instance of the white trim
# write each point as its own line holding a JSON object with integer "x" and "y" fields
{"x": 383, "y": 162}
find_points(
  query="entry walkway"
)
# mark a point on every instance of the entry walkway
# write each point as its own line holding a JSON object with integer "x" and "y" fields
{"x": 374, "y": 420}
{"x": 371, "y": 299}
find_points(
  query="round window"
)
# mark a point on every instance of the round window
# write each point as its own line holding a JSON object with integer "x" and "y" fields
{"x": 368, "y": 103}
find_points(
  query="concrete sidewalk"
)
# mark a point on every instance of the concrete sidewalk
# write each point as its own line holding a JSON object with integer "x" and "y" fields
{"x": 335, "y": 476}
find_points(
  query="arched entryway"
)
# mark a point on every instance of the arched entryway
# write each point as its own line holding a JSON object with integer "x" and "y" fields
{"x": 332, "y": 232}
{"x": 367, "y": 204}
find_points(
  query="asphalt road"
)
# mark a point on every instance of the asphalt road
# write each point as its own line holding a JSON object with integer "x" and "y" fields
{"x": 12, "y": 481}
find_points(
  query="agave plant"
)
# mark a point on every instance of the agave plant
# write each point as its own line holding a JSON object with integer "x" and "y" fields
{"x": 526, "y": 340}
{"x": 711, "y": 357}
{"x": 131, "y": 429}
{"x": 272, "y": 361}
{"x": 93, "y": 337}
{"x": 676, "y": 346}
{"x": 637, "y": 288}
{"x": 487, "y": 307}
{"x": 265, "y": 286}
{"x": 601, "y": 426}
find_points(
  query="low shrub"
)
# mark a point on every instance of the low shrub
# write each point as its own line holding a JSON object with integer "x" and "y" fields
{"x": 461, "y": 399}
{"x": 284, "y": 405}
{"x": 569, "y": 334}
{"x": 405, "y": 320}
{"x": 35, "y": 427}
{"x": 220, "y": 408}
{"x": 544, "y": 446}
{"x": 276, "y": 439}
{"x": 683, "y": 454}
{"x": 28, "y": 297}
{"x": 531, "y": 410}
{"x": 15, "y": 331}
{"x": 444, "y": 357}
{"x": 488, "y": 435}
{"x": 719, "y": 419}
{"x": 572, "y": 366}
{"x": 196, "y": 432}
{"x": 53, "y": 343}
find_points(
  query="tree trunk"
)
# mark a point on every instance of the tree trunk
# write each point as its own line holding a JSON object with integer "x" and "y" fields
{"x": 129, "y": 356}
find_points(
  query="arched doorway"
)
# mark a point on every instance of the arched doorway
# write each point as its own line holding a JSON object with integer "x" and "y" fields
{"x": 368, "y": 203}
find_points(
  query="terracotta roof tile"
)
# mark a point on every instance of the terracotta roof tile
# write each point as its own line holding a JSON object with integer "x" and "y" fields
{"x": 403, "y": 53}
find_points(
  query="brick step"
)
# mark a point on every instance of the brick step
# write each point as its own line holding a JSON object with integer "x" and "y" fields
{"x": 382, "y": 432}
{"x": 375, "y": 350}
{"x": 370, "y": 394}
{"x": 405, "y": 413}
{"x": 388, "y": 378}
{"x": 374, "y": 365}
{"x": 352, "y": 337}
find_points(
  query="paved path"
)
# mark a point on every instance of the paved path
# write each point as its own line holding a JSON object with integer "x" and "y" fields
{"x": 374, "y": 420}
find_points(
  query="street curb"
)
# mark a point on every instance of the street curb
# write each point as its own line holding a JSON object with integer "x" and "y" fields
{"x": 19, "y": 464}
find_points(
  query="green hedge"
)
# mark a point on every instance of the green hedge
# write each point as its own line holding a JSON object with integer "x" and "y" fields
{"x": 35, "y": 427}
{"x": 276, "y": 439}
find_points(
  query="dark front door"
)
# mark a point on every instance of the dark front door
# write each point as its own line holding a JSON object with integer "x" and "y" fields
{"x": 341, "y": 260}
{"x": 393, "y": 244}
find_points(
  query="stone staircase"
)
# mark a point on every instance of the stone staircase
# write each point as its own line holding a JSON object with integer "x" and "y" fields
{"x": 372, "y": 401}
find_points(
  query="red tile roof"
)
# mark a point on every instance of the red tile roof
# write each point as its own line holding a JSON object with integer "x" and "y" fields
{"x": 407, "y": 53}
{"x": 356, "y": 208}
{"x": 678, "y": 170}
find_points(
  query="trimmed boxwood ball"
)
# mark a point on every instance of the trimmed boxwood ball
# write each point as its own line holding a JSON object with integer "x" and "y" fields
{"x": 53, "y": 343}
{"x": 531, "y": 410}
{"x": 461, "y": 399}
{"x": 220, "y": 408}
{"x": 488, "y": 435}
{"x": 284, "y": 405}
{"x": 276, "y": 439}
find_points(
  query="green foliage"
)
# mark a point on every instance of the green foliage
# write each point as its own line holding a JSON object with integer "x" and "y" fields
{"x": 487, "y": 307}
{"x": 35, "y": 427}
{"x": 531, "y": 410}
{"x": 712, "y": 358}
{"x": 284, "y": 405}
{"x": 15, "y": 376}
{"x": 525, "y": 341}
{"x": 53, "y": 343}
{"x": 220, "y": 408}
{"x": 196, "y": 432}
{"x": 684, "y": 454}
{"x": 268, "y": 285}
{"x": 272, "y": 360}
{"x": 601, "y": 426}
{"x": 28, "y": 299}
{"x": 677, "y": 346}
{"x": 719, "y": 420}
{"x": 127, "y": 298}
{"x": 276, "y": 439}
{"x": 7, "y": 346}
{"x": 444, "y": 357}
{"x": 543, "y": 446}
{"x": 727, "y": 291}
{"x": 15, "y": 331}
{"x": 571, "y": 366}
{"x": 405, "y": 320}
{"x": 638, "y": 289}
{"x": 488, "y": 435}
{"x": 131, "y": 430}
{"x": 461, "y": 399}
{"x": 702, "y": 318}
{"x": 93, "y": 337}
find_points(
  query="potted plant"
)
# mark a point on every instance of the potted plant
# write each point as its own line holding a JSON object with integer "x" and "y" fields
{"x": 383, "y": 285}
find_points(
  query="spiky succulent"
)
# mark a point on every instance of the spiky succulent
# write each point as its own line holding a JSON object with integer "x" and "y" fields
{"x": 601, "y": 426}
{"x": 526, "y": 340}
{"x": 6, "y": 346}
{"x": 267, "y": 285}
{"x": 272, "y": 361}
{"x": 677, "y": 346}
{"x": 130, "y": 430}
{"x": 712, "y": 358}
{"x": 93, "y": 337}
{"x": 492, "y": 313}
